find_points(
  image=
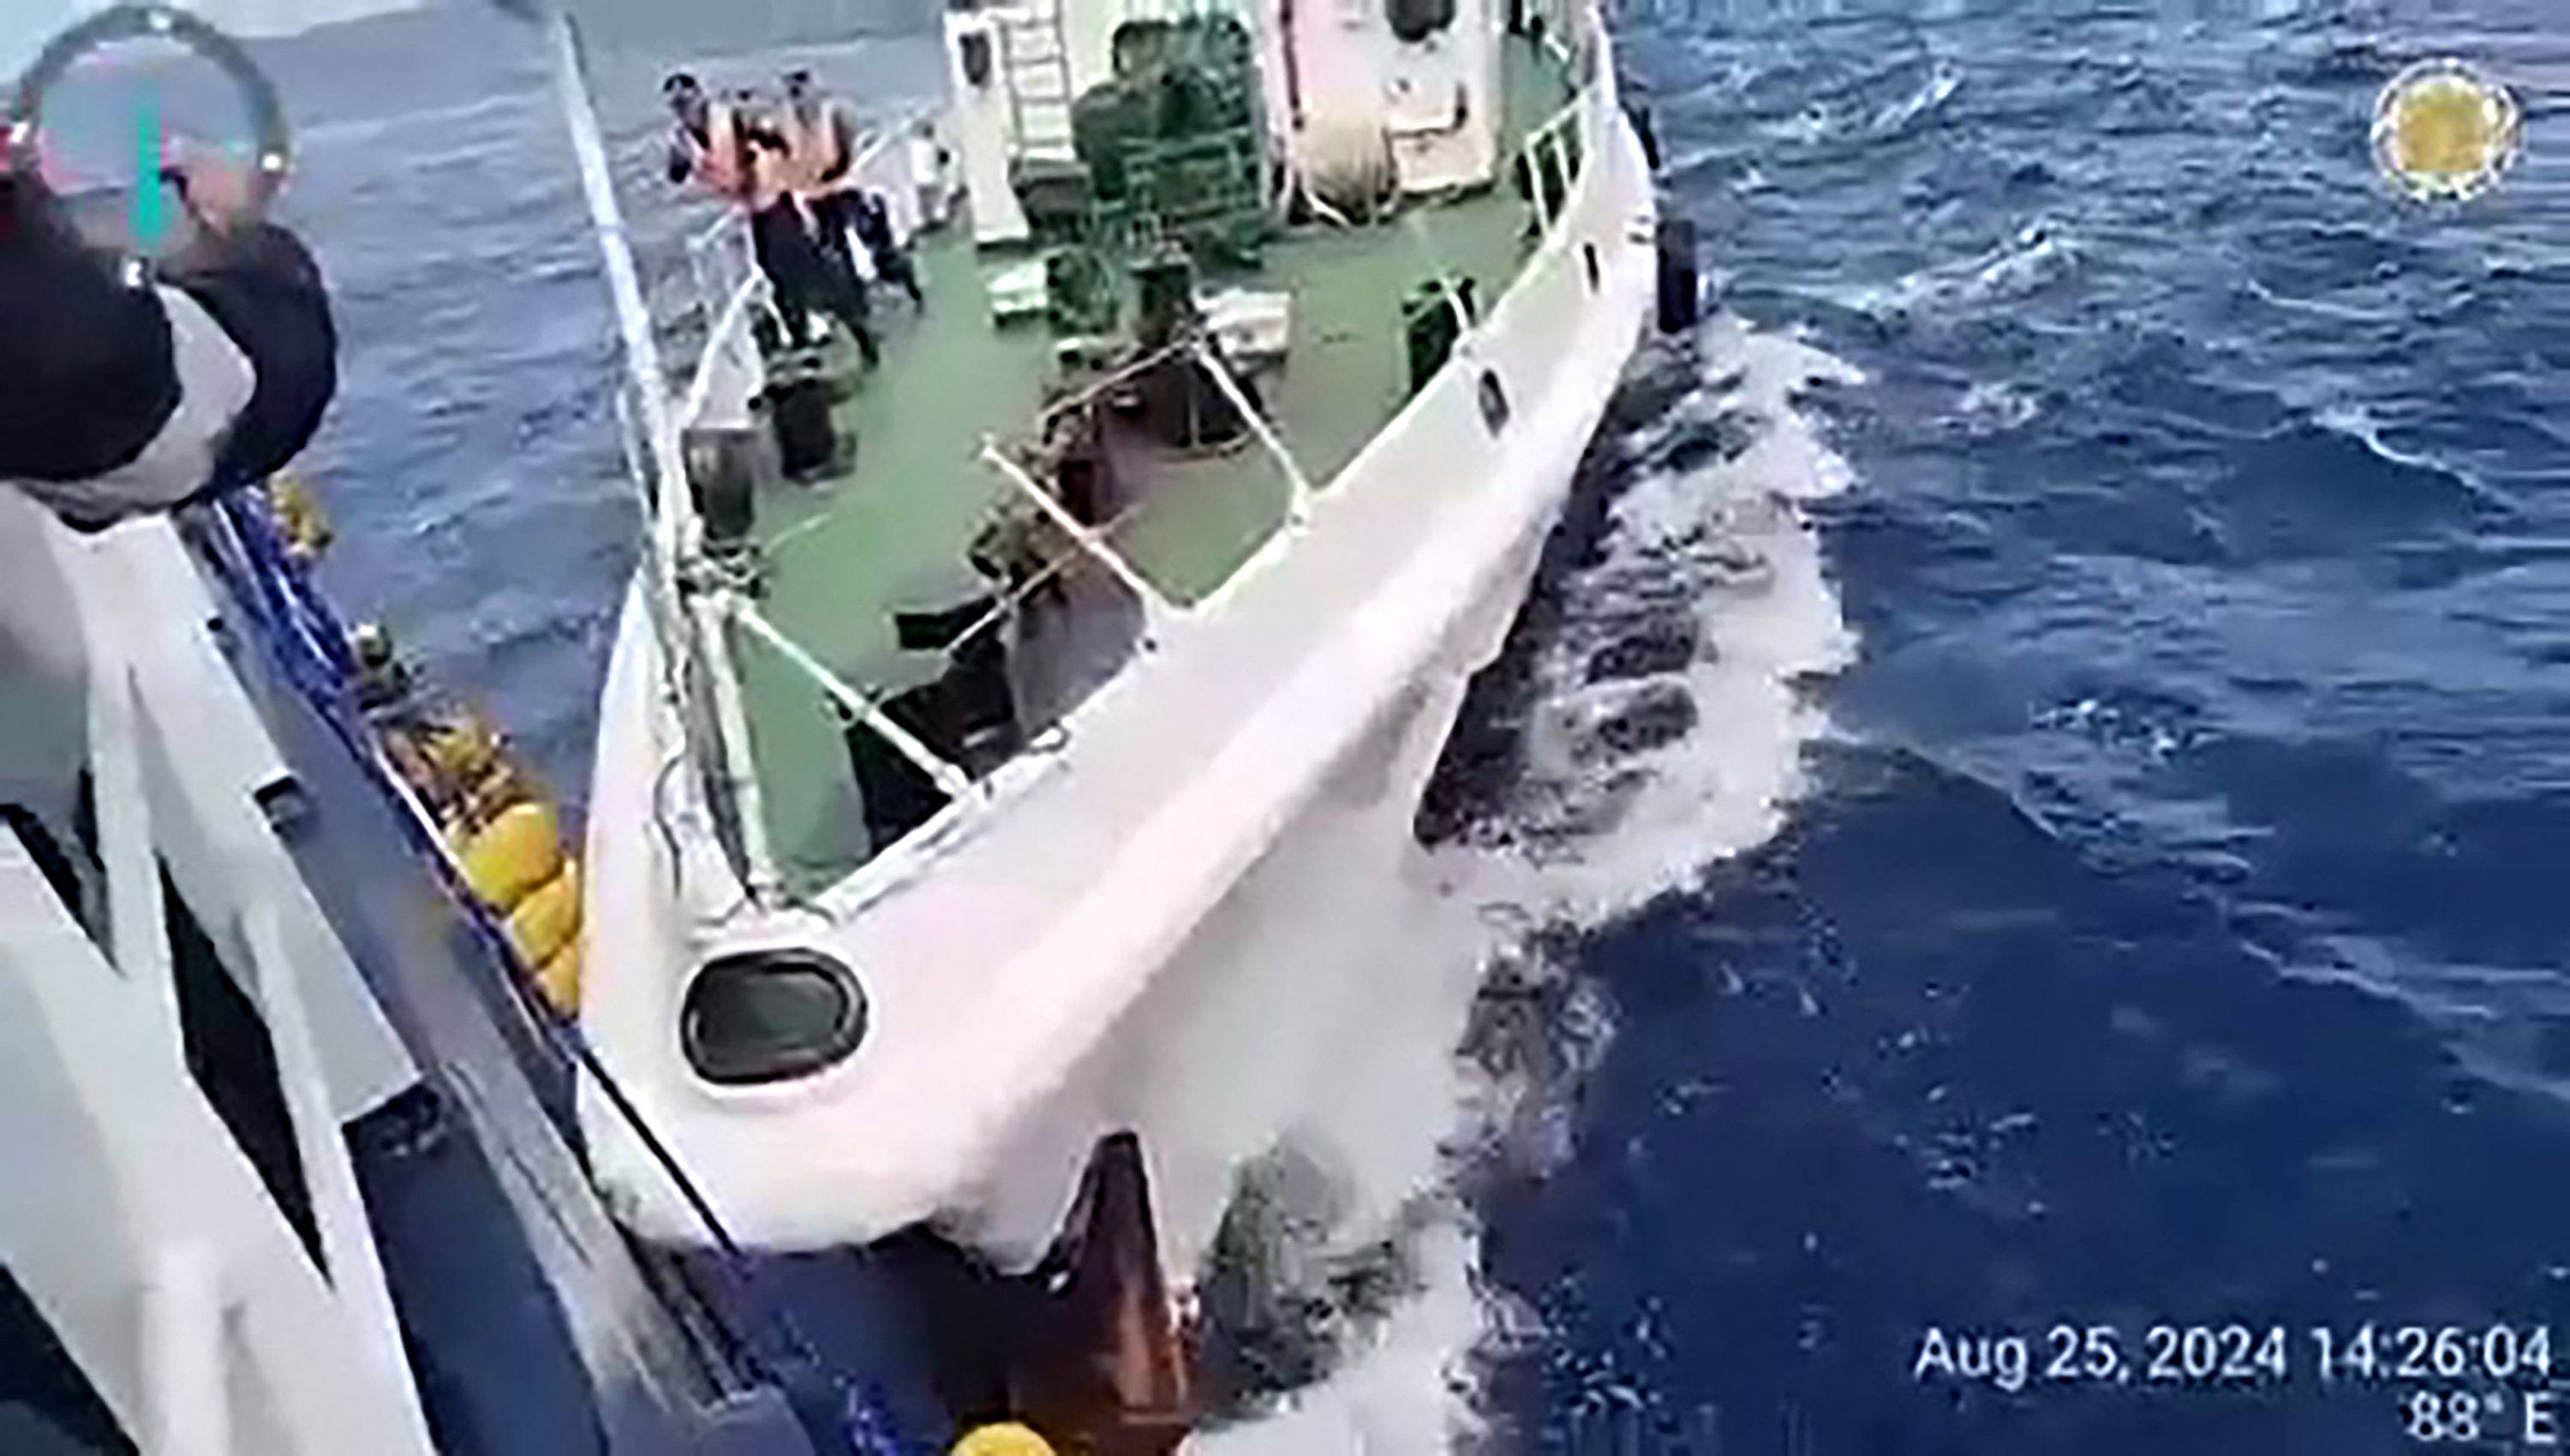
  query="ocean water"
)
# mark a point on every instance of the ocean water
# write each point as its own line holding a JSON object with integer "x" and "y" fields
{"x": 2167, "y": 927}
{"x": 2035, "y": 787}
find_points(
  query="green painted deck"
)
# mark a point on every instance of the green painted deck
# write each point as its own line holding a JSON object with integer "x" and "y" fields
{"x": 840, "y": 556}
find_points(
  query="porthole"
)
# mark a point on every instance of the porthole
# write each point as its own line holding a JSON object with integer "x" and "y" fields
{"x": 1494, "y": 401}
{"x": 770, "y": 1015}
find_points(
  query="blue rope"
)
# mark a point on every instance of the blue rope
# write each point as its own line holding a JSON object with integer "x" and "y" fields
{"x": 288, "y": 590}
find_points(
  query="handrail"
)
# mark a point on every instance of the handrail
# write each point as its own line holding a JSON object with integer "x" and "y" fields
{"x": 140, "y": 776}
{"x": 1070, "y": 525}
{"x": 138, "y": 938}
{"x": 338, "y": 1207}
{"x": 1299, "y": 512}
{"x": 734, "y": 316}
{"x": 731, "y": 731}
{"x": 955, "y": 783}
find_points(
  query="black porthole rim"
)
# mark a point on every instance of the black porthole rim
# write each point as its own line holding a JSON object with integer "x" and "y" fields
{"x": 794, "y": 1058}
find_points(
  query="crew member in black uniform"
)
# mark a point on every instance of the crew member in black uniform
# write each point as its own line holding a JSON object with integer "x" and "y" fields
{"x": 783, "y": 234}
{"x": 824, "y": 138}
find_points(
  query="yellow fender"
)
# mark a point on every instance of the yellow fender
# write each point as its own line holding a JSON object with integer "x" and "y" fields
{"x": 299, "y": 517}
{"x": 463, "y": 747}
{"x": 548, "y": 919}
{"x": 559, "y": 981}
{"x": 1005, "y": 1439}
{"x": 512, "y": 855}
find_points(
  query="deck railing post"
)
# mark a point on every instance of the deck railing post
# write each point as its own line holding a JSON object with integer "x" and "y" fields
{"x": 1087, "y": 540}
{"x": 138, "y": 931}
{"x": 954, "y": 781}
{"x": 1300, "y": 511}
{"x": 705, "y": 615}
{"x": 183, "y": 1310}
{"x": 339, "y": 1206}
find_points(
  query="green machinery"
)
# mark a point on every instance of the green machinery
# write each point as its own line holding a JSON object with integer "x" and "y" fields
{"x": 1169, "y": 150}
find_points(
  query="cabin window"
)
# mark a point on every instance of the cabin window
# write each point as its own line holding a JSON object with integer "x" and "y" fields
{"x": 1494, "y": 401}
{"x": 1414, "y": 21}
{"x": 770, "y": 1016}
{"x": 48, "y": 1407}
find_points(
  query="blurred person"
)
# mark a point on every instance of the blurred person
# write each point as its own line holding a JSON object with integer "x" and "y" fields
{"x": 821, "y": 140}
{"x": 871, "y": 221}
{"x": 129, "y": 387}
{"x": 705, "y": 139}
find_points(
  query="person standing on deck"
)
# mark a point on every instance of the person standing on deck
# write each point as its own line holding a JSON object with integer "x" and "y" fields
{"x": 871, "y": 221}
{"x": 782, "y": 233}
{"x": 742, "y": 158}
{"x": 824, "y": 138}
{"x": 704, "y": 142}
{"x": 822, "y": 141}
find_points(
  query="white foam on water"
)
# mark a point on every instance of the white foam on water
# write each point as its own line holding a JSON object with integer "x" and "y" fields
{"x": 1394, "y": 1112}
{"x": 1735, "y": 542}
{"x": 2027, "y": 261}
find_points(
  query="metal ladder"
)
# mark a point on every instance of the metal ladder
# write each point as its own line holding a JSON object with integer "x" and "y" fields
{"x": 1037, "y": 64}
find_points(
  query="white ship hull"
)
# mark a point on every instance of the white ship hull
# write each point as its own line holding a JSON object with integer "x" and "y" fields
{"x": 1016, "y": 954}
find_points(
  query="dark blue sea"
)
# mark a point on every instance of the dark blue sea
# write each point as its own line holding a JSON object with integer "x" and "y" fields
{"x": 2158, "y": 907}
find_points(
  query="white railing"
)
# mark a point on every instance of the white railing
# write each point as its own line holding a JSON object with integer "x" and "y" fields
{"x": 143, "y": 1185}
{"x": 729, "y": 294}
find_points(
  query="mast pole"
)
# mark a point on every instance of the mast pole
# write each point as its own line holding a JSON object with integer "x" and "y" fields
{"x": 670, "y": 506}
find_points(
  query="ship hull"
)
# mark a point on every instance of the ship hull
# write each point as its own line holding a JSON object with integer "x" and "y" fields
{"x": 1034, "y": 963}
